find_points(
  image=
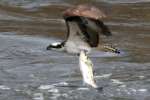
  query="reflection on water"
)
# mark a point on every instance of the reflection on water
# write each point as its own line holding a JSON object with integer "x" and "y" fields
{"x": 29, "y": 72}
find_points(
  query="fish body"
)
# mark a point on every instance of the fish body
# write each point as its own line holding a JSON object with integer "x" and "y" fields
{"x": 86, "y": 67}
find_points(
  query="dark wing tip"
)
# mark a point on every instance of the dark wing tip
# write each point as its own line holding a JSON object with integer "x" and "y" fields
{"x": 105, "y": 30}
{"x": 90, "y": 35}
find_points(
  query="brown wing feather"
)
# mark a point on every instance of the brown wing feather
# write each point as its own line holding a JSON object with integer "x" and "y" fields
{"x": 104, "y": 29}
{"x": 91, "y": 35}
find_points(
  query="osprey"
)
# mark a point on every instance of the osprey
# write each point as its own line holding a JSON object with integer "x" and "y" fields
{"x": 84, "y": 24}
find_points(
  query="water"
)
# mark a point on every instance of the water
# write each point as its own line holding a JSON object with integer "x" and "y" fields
{"x": 29, "y": 72}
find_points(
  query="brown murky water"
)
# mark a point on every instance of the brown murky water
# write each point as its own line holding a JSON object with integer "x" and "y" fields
{"x": 29, "y": 72}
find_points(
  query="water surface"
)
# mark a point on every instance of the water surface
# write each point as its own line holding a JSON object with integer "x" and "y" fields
{"x": 29, "y": 72}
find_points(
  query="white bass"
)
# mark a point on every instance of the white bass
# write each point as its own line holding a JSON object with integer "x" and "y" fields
{"x": 86, "y": 68}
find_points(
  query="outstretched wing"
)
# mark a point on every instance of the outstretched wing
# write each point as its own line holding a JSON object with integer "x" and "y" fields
{"x": 87, "y": 34}
{"x": 91, "y": 29}
{"x": 90, "y": 35}
{"x": 104, "y": 29}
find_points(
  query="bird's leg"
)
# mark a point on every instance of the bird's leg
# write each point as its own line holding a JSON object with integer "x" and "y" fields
{"x": 57, "y": 45}
{"x": 86, "y": 68}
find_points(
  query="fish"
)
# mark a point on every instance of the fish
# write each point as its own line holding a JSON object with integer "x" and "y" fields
{"x": 86, "y": 68}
